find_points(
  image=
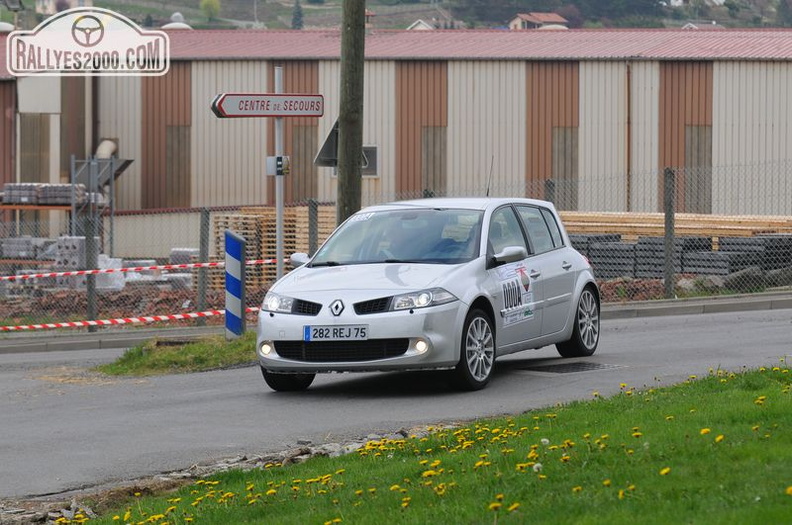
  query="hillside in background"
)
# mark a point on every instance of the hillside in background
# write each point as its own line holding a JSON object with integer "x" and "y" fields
{"x": 399, "y": 14}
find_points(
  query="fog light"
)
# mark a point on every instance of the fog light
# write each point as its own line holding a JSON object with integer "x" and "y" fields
{"x": 421, "y": 346}
{"x": 266, "y": 349}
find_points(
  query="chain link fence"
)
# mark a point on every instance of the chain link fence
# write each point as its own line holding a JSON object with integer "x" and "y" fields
{"x": 674, "y": 233}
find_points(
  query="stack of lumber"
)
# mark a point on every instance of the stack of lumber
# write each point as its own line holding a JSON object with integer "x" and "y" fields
{"x": 633, "y": 225}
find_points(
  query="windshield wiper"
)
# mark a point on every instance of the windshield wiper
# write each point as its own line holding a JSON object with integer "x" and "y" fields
{"x": 326, "y": 263}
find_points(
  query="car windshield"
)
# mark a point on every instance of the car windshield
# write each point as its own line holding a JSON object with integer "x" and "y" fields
{"x": 438, "y": 236}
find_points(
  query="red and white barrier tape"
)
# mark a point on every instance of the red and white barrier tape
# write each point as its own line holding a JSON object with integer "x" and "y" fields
{"x": 120, "y": 321}
{"x": 131, "y": 269}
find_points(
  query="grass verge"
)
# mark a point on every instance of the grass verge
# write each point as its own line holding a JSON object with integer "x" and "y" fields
{"x": 158, "y": 356}
{"x": 710, "y": 450}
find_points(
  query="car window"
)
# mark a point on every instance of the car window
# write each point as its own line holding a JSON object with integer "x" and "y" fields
{"x": 555, "y": 231}
{"x": 441, "y": 236}
{"x": 504, "y": 230}
{"x": 537, "y": 228}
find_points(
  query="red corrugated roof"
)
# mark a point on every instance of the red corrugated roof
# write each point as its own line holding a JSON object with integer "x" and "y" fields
{"x": 582, "y": 44}
{"x": 662, "y": 44}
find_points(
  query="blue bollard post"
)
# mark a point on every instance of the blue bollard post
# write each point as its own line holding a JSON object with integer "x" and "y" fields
{"x": 235, "y": 285}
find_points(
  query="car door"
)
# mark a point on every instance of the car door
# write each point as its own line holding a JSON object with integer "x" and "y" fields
{"x": 552, "y": 260}
{"x": 515, "y": 291}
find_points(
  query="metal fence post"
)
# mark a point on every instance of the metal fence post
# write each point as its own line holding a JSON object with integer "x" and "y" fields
{"x": 669, "y": 191}
{"x": 91, "y": 249}
{"x": 203, "y": 256}
{"x": 313, "y": 226}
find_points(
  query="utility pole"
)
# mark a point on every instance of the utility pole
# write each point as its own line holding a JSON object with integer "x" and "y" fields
{"x": 350, "y": 119}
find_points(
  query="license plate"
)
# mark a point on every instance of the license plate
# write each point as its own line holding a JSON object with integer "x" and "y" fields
{"x": 344, "y": 332}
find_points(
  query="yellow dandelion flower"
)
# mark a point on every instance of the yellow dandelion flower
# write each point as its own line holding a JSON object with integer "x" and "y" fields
{"x": 621, "y": 494}
{"x": 495, "y": 506}
{"x": 358, "y": 492}
{"x": 116, "y": 517}
{"x": 499, "y": 497}
{"x": 704, "y": 431}
{"x": 577, "y": 489}
{"x": 395, "y": 488}
{"x": 719, "y": 438}
{"x": 514, "y": 506}
{"x": 669, "y": 418}
{"x": 755, "y": 428}
{"x": 789, "y": 490}
{"x": 637, "y": 434}
{"x": 665, "y": 470}
{"x": 606, "y": 483}
{"x": 271, "y": 492}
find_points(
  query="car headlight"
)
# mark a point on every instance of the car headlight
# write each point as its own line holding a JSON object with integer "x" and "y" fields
{"x": 277, "y": 303}
{"x": 422, "y": 299}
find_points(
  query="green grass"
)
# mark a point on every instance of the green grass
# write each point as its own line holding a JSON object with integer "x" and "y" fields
{"x": 156, "y": 357}
{"x": 711, "y": 450}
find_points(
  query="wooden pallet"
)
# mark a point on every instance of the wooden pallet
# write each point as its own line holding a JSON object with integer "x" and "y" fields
{"x": 634, "y": 225}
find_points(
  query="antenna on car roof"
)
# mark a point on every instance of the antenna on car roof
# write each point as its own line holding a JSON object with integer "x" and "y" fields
{"x": 489, "y": 179}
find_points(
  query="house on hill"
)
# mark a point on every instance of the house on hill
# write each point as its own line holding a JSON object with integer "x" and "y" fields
{"x": 536, "y": 21}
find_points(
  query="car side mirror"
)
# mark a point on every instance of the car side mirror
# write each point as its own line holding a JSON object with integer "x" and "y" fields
{"x": 299, "y": 259}
{"x": 507, "y": 255}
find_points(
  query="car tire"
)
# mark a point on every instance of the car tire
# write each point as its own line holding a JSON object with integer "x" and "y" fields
{"x": 477, "y": 352}
{"x": 287, "y": 382}
{"x": 585, "y": 333}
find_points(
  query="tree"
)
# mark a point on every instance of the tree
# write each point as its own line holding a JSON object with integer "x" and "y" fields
{"x": 297, "y": 16}
{"x": 210, "y": 9}
{"x": 784, "y": 13}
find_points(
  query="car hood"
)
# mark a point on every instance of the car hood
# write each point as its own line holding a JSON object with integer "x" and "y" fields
{"x": 386, "y": 277}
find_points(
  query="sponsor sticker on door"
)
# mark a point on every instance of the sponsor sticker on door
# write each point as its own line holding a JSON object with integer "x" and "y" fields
{"x": 88, "y": 41}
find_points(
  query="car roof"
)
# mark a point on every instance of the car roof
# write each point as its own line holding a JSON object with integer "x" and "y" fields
{"x": 470, "y": 203}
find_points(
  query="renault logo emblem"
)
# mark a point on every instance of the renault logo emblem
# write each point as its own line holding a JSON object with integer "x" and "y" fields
{"x": 337, "y": 307}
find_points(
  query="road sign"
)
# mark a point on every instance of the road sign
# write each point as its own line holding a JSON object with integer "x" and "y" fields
{"x": 242, "y": 105}
{"x": 328, "y": 154}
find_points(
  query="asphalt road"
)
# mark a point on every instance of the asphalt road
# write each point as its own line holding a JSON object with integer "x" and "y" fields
{"x": 62, "y": 428}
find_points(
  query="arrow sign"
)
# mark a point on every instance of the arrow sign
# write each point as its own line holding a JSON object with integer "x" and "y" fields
{"x": 242, "y": 105}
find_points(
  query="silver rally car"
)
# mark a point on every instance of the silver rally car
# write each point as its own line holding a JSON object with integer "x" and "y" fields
{"x": 446, "y": 283}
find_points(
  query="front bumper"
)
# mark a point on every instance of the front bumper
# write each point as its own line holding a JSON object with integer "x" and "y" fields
{"x": 431, "y": 336}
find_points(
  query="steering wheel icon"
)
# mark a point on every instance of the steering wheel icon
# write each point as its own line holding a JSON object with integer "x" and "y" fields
{"x": 87, "y": 31}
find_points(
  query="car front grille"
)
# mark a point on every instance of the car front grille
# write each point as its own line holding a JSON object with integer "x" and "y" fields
{"x": 301, "y": 307}
{"x": 341, "y": 351}
{"x": 373, "y": 306}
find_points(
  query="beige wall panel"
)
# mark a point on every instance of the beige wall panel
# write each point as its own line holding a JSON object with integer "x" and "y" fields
{"x": 120, "y": 120}
{"x": 602, "y": 132}
{"x": 378, "y": 127}
{"x": 486, "y": 127}
{"x": 228, "y": 156}
{"x": 133, "y": 238}
{"x": 752, "y": 134}
{"x": 644, "y": 135}
{"x": 39, "y": 94}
